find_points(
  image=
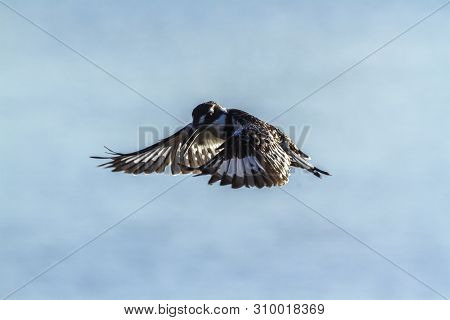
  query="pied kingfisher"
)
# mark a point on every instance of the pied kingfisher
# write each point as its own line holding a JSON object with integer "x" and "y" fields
{"x": 231, "y": 146}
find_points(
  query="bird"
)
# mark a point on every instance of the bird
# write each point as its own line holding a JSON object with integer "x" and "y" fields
{"x": 229, "y": 145}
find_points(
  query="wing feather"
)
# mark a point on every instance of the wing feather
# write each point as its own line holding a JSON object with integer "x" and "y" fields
{"x": 252, "y": 157}
{"x": 167, "y": 152}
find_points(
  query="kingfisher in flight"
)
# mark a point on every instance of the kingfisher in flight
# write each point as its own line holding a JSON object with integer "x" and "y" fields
{"x": 229, "y": 145}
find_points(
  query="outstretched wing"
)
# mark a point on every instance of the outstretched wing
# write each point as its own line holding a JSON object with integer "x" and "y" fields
{"x": 251, "y": 157}
{"x": 169, "y": 151}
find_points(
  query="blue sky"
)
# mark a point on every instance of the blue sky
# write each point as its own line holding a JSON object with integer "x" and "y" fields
{"x": 380, "y": 130}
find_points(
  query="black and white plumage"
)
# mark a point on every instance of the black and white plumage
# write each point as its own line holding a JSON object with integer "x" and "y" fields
{"x": 231, "y": 146}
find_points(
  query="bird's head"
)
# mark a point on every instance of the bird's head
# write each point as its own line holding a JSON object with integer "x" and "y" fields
{"x": 208, "y": 113}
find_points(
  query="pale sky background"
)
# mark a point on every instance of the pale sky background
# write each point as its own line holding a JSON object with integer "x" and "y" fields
{"x": 382, "y": 131}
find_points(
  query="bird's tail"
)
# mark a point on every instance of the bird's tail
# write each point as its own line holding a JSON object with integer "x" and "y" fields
{"x": 297, "y": 160}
